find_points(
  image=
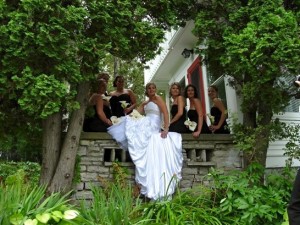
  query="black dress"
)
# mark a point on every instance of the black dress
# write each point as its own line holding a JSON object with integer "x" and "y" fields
{"x": 116, "y": 108}
{"x": 178, "y": 126}
{"x": 193, "y": 116}
{"x": 95, "y": 124}
{"x": 224, "y": 129}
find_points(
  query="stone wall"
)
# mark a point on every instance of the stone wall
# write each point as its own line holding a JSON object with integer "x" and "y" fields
{"x": 98, "y": 151}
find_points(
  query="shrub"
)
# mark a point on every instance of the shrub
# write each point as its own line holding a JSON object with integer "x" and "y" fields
{"x": 244, "y": 198}
{"x": 31, "y": 170}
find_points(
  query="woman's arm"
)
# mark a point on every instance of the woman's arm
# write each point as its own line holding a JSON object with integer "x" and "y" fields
{"x": 219, "y": 104}
{"x": 140, "y": 109}
{"x": 133, "y": 101}
{"x": 100, "y": 112}
{"x": 181, "y": 105}
{"x": 199, "y": 110}
{"x": 163, "y": 108}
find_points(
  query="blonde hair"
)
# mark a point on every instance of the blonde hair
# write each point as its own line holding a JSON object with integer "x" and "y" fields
{"x": 147, "y": 86}
{"x": 175, "y": 84}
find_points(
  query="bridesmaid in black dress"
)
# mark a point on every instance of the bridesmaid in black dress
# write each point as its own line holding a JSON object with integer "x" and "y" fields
{"x": 218, "y": 111}
{"x": 178, "y": 111}
{"x": 100, "y": 121}
{"x": 119, "y": 96}
{"x": 195, "y": 112}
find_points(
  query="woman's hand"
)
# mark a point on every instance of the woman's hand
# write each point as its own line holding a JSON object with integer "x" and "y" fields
{"x": 196, "y": 134}
{"x": 213, "y": 128}
{"x": 164, "y": 133}
{"x": 109, "y": 122}
{"x": 127, "y": 110}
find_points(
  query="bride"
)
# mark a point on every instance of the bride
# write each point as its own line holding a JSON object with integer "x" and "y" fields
{"x": 156, "y": 153}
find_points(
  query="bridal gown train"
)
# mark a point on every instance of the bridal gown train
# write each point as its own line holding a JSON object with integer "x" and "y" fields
{"x": 158, "y": 161}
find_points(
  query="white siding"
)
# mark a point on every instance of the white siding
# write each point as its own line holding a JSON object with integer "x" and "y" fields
{"x": 275, "y": 156}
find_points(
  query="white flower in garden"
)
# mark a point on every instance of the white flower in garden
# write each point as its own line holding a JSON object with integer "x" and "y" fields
{"x": 124, "y": 104}
{"x": 115, "y": 120}
{"x": 135, "y": 115}
{"x": 191, "y": 124}
{"x": 70, "y": 214}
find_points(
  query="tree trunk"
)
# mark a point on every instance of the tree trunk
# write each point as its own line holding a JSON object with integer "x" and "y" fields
{"x": 249, "y": 121}
{"x": 265, "y": 115}
{"x": 116, "y": 66}
{"x": 260, "y": 119}
{"x": 51, "y": 147}
{"x": 63, "y": 177}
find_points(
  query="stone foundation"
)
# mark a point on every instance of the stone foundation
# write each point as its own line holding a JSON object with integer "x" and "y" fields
{"x": 98, "y": 151}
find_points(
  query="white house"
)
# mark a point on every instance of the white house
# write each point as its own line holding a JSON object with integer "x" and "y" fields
{"x": 171, "y": 66}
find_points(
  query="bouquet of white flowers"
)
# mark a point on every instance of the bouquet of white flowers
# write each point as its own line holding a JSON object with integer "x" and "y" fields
{"x": 135, "y": 115}
{"x": 191, "y": 124}
{"x": 115, "y": 120}
{"x": 124, "y": 104}
{"x": 106, "y": 98}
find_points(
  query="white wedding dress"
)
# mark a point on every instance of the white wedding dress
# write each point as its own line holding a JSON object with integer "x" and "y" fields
{"x": 158, "y": 161}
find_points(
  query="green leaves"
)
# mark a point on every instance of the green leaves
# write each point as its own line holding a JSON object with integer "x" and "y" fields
{"x": 252, "y": 43}
{"x": 42, "y": 95}
{"x": 48, "y": 44}
{"x": 244, "y": 197}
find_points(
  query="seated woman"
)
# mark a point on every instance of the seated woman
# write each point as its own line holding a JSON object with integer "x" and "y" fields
{"x": 218, "y": 112}
{"x": 156, "y": 153}
{"x": 122, "y": 100}
{"x": 195, "y": 112}
{"x": 100, "y": 121}
{"x": 178, "y": 111}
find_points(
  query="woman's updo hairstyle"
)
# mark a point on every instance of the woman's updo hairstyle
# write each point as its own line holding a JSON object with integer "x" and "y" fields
{"x": 96, "y": 85}
{"x": 147, "y": 86}
{"x": 214, "y": 87}
{"x": 177, "y": 84}
{"x": 194, "y": 88}
{"x": 116, "y": 80}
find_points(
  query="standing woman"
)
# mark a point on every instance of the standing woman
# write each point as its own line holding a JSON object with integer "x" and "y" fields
{"x": 100, "y": 121}
{"x": 195, "y": 112}
{"x": 121, "y": 95}
{"x": 178, "y": 111}
{"x": 218, "y": 111}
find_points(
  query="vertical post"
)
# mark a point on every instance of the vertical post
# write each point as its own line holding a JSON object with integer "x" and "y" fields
{"x": 112, "y": 155}
{"x": 123, "y": 155}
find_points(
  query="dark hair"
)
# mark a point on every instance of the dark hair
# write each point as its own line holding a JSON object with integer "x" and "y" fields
{"x": 116, "y": 79}
{"x": 96, "y": 84}
{"x": 175, "y": 84}
{"x": 214, "y": 87}
{"x": 147, "y": 85}
{"x": 195, "y": 91}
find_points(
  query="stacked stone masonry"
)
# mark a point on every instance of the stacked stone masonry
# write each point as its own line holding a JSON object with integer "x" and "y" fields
{"x": 98, "y": 151}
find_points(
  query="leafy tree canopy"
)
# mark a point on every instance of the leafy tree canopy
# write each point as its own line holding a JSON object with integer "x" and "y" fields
{"x": 256, "y": 42}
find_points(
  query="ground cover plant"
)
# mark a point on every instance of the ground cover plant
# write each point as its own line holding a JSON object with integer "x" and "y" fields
{"x": 245, "y": 198}
{"x": 29, "y": 204}
{"x": 232, "y": 198}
